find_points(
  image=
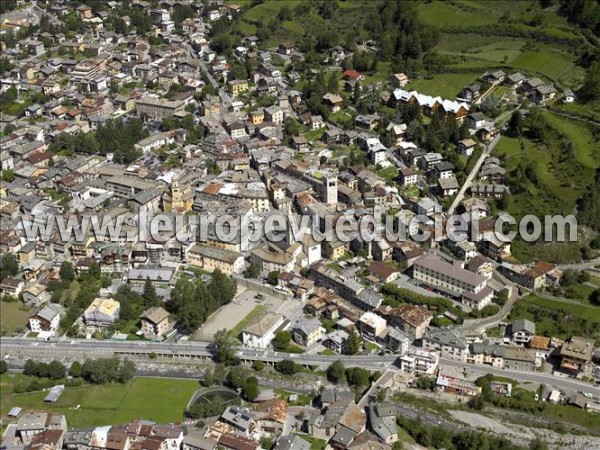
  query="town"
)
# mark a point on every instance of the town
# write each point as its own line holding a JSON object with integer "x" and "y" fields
{"x": 126, "y": 124}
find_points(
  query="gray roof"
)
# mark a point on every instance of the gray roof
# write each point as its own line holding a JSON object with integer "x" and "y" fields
{"x": 383, "y": 420}
{"x": 446, "y": 338}
{"x": 523, "y": 325}
{"x": 306, "y": 325}
{"x": 48, "y": 312}
{"x": 238, "y": 417}
{"x": 344, "y": 436}
{"x": 292, "y": 442}
{"x": 336, "y": 395}
{"x": 371, "y": 297}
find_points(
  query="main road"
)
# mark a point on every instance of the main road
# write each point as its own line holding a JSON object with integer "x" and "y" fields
{"x": 23, "y": 348}
{"x": 191, "y": 349}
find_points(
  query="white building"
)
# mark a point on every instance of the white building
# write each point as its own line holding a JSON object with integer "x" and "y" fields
{"x": 371, "y": 325}
{"x": 419, "y": 361}
{"x": 261, "y": 331}
{"x": 45, "y": 320}
{"x": 102, "y": 313}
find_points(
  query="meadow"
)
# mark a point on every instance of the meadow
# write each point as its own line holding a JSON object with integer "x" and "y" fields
{"x": 160, "y": 400}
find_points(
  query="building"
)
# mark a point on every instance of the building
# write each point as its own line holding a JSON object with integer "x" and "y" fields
{"x": 46, "y": 319}
{"x": 413, "y": 320}
{"x": 306, "y": 332}
{"x": 102, "y": 312}
{"x": 211, "y": 258}
{"x": 452, "y": 279}
{"x": 522, "y": 331}
{"x": 291, "y": 442}
{"x": 155, "y": 108}
{"x": 239, "y": 419}
{"x": 448, "y": 343}
{"x": 261, "y": 331}
{"x": 418, "y": 361}
{"x": 456, "y": 386}
{"x": 576, "y": 354}
{"x": 154, "y": 322}
{"x": 237, "y": 87}
{"x": 382, "y": 420}
{"x": 371, "y": 326}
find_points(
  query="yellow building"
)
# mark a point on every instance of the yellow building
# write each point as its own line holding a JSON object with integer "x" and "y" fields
{"x": 212, "y": 258}
{"x": 257, "y": 116}
{"x": 238, "y": 86}
{"x": 179, "y": 197}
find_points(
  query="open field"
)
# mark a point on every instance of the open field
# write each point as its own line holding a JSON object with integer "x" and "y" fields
{"x": 446, "y": 85}
{"x": 161, "y": 400}
{"x": 587, "y": 312}
{"x": 13, "y": 316}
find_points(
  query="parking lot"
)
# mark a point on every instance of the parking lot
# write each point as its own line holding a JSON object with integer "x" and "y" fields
{"x": 243, "y": 304}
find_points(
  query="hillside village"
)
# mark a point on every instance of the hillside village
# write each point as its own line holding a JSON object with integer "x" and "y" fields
{"x": 128, "y": 111}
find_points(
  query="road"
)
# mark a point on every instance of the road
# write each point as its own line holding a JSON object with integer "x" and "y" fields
{"x": 580, "y": 266}
{"x": 191, "y": 349}
{"x": 15, "y": 346}
{"x": 566, "y": 384}
{"x": 473, "y": 173}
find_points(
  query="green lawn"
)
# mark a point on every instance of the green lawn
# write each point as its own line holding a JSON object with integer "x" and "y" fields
{"x": 587, "y": 312}
{"x": 445, "y": 14}
{"x": 446, "y": 85}
{"x": 257, "y": 311}
{"x": 587, "y": 151}
{"x": 161, "y": 400}
{"x": 554, "y": 61}
{"x": 13, "y": 316}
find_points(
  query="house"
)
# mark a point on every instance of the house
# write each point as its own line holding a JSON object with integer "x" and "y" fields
{"x": 576, "y": 354}
{"x": 466, "y": 147}
{"x": 419, "y": 361}
{"x": 351, "y": 74}
{"x": 239, "y": 419}
{"x": 382, "y": 420}
{"x": 237, "y": 87}
{"x": 515, "y": 80}
{"x": 476, "y": 120}
{"x": 333, "y": 101}
{"x": 399, "y": 80}
{"x": 285, "y": 48}
{"x": 306, "y": 332}
{"x": 493, "y": 76}
{"x": 46, "y": 319}
{"x": 542, "y": 94}
{"x": 522, "y": 331}
{"x": 211, "y": 258}
{"x": 35, "y": 294}
{"x": 408, "y": 176}
{"x": 383, "y": 272}
{"x": 261, "y": 331}
{"x": 447, "y": 342}
{"x": 371, "y": 326}
{"x": 11, "y": 286}
{"x": 101, "y": 313}
{"x": 413, "y": 320}
{"x": 470, "y": 92}
{"x": 291, "y": 442}
{"x": 274, "y": 114}
{"x": 154, "y": 322}
{"x": 448, "y": 186}
{"x": 568, "y": 96}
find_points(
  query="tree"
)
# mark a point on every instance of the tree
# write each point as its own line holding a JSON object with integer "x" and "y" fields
{"x": 287, "y": 367}
{"x": 282, "y": 340}
{"x": 515, "y": 125}
{"x": 273, "y": 278}
{"x": 66, "y": 271}
{"x": 149, "y": 294}
{"x": 336, "y": 372}
{"x": 357, "y": 376}
{"x": 9, "y": 266}
{"x": 352, "y": 345}
{"x": 224, "y": 347}
{"x": 591, "y": 86}
{"x": 56, "y": 370}
{"x": 258, "y": 365}
{"x": 477, "y": 402}
{"x": 8, "y": 175}
{"x": 3, "y": 366}
{"x": 595, "y": 297}
{"x": 253, "y": 271}
{"x": 75, "y": 369}
{"x": 538, "y": 444}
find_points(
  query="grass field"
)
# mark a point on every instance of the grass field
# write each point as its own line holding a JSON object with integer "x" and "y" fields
{"x": 315, "y": 444}
{"x": 13, "y": 316}
{"x": 257, "y": 311}
{"x": 161, "y": 400}
{"x": 587, "y": 312}
{"x": 446, "y": 85}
